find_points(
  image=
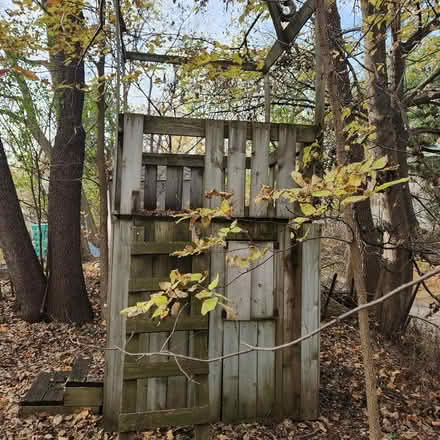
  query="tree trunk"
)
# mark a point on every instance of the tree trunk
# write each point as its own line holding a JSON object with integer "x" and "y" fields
{"x": 340, "y": 84}
{"x": 67, "y": 295}
{"x": 23, "y": 265}
{"x": 325, "y": 14}
{"x": 398, "y": 211}
{"x": 103, "y": 211}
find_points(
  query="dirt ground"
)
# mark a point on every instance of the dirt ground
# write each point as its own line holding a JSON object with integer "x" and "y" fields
{"x": 409, "y": 385}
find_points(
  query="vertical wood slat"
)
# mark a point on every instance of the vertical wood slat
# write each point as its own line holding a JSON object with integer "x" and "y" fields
{"x": 262, "y": 285}
{"x": 266, "y": 369}
{"x": 230, "y": 372}
{"x": 177, "y": 388}
{"x": 215, "y": 343}
{"x": 214, "y": 175}
{"x": 186, "y": 190}
{"x": 247, "y": 373}
{"x": 286, "y": 164}
{"x": 238, "y": 282}
{"x": 174, "y": 188}
{"x": 196, "y": 190}
{"x": 150, "y": 187}
{"x": 161, "y": 186}
{"x": 292, "y": 326}
{"x": 157, "y": 387}
{"x": 114, "y": 359}
{"x": 131, "y": 163}
{"x": 310, "y": 321}
{"x": 200, "y": 263}
{"x": 279, "y": 308}
{"x": 128, "y": 175}
{"x": 260, "y": 167}
{"x": 237, "y": 166}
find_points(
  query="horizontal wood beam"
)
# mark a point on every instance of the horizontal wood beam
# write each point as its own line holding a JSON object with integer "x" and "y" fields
{"x": 157, "y": 247}
{"x": 196, "y": 128}
{"x": 290, "y": 33}
{"x": 142, "y": 324}
{"x": 155, "y": 419}
{"x": 144, "y": 369}
{"x": 179, "y": 60}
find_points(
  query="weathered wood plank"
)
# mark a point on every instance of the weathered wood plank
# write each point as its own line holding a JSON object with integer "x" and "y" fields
{"x": 38, "y": 389}
{"x": 266, "y": 369}
{"x": 290, "y": 33}
{"x": 260, "y": 168}
{"x": 114, "y": 359}
{"x": 215, "y": 345}
{"x": 262, "y": 284}
{"x": 197, "y": 128}
{"x": 145, "y": 284}
{"x": 247, "y": 373}
{"x": 158, "y": 247}
{"x": 238, "y": 282}
{"x": 174, "y": 160}
{"x": 292, "y": 326}
{"x": 130, "y": 164}
{"x": 286, "y": 164}
{"x": 237, "y": 166}
{"x": 161, "y": 187}
{"x": 84, "y": 396}
{"x": 25, "y": 411}
{"x": 186, "y": 190}
{"x": 55, "y": 390}
{"x": 230, "y": 372}
{"x": 214, "y": 174}
{"x": 196, "y": 191}
{"x": 150, "y": 187}
{"x": 157, "y": 419}
{"x": 144, "y": 324}
{"x": 199, "y": 348}
{"x": 174, "y": 188}
{"x": 279, "y": 312}
{"x": 146, "y": 368}
{"x": 179, "y": 60}
{"x": 157, "y": 388}
{"x": 310, "y": 321}
{"x": 80, "y": 370}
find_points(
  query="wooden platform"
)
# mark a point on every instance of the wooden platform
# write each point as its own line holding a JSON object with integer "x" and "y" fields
{"x": 63, "y": 392}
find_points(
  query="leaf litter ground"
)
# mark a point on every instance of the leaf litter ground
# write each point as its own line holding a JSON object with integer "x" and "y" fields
{"x": 408, "y": 380}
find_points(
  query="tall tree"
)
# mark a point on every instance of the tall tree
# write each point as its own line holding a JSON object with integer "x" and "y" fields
{"x": 21, "y": 259}
{"x": 67, "y": 295}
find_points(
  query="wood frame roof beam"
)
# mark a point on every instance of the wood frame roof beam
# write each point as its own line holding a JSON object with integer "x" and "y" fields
{"x": 290, "y": 33}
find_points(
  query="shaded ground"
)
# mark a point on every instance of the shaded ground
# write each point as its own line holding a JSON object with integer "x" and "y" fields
{"x": 408, "y": 381}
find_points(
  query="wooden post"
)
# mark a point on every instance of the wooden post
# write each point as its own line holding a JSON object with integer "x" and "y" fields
{"x": 128, "y": 174}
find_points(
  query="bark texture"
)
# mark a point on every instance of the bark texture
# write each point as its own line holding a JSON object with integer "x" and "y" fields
{"x": 102, "y": 173}
{"x": 23, "y": 265}
{"x": 385, "y": 117}
{"x": 67, "y": 295}
{"x": 327, "y": 13}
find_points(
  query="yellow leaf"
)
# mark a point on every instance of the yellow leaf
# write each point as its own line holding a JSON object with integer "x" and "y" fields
{"x": 353, "y": 199}
{"x": 208, "y": 305}
{"x": 379, "y": 163}
{"x": 214, "y": 283}
{"x": 307, "y": 209}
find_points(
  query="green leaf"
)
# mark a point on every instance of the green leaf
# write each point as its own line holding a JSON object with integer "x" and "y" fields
{"x": 204, "y": 294}
{"x": 196, "y": 276}
{"x": 380, "y": 163}
{"x": 208, "y": 305}
{"x": 388, "y": 184}
{"x": 214, "y": 283}
{"x": 307, "y": 209}
{"x": 301, "y": 220}
{"x": 322, "y": 193}
{"x": 353, "y": 199}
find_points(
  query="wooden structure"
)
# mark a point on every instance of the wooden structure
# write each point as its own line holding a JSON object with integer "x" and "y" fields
{"x": 63, "y": 392}
{"x": 276, "y": 302}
